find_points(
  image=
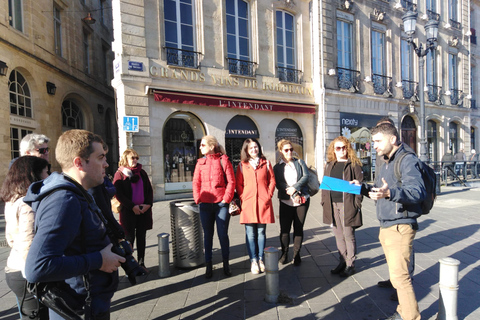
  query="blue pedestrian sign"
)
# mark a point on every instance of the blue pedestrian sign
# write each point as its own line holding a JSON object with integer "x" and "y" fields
{"x": 130, "y": 124}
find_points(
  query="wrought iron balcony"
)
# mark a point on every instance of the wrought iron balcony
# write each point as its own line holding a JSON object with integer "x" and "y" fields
{"x": 409, "y": 88}
{"x": 382, "y": 84}
{"x": 473, "y": 104}
{"x": 455, "y": 96}
{"x": 455, "y": 24}
{"x": 433, "y": 15}
{"x": 409, "y": 5}
{"x": 348, "y": 79}
{"x": 433, "y": 92}
{"x": 288, "y": 75}
{"x": 182, "y": 58}
{"x": 241, "y": 67}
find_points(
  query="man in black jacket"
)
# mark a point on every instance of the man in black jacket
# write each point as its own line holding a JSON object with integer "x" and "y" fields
{"x": 398, "y": 206}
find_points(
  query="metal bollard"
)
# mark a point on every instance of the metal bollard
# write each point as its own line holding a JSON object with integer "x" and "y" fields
{"x": 163, "y": 255}
{"x": 447, "y": 305}
{"x": 271, "y": 274}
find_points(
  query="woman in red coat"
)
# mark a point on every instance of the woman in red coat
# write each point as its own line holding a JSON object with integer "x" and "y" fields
{"x": 255, "y": 186}
{"x": 213, "y": 188}
{"x": 135, "y": 193}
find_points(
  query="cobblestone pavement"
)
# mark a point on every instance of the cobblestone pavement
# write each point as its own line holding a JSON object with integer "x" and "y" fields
{"x": 308, "y": 291}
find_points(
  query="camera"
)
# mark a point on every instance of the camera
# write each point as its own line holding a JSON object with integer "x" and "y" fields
{"x": 130, "y": 266}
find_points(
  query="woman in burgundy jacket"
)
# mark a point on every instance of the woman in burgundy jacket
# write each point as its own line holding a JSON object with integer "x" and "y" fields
{"x": 213, "y": 188}
{"x": 255, "y": 186}
{"x": 135, "y": 193}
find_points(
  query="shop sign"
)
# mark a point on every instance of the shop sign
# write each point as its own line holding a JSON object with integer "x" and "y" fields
{"x": 234, "y": 103}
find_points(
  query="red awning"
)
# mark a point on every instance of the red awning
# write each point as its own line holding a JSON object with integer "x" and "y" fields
{"x": 229, "y": 102}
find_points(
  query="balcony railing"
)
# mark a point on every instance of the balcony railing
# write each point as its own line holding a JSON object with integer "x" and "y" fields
{"x": 409, "y": 5}
{"x": 433, "y": 92}
{"x": 348, "y": 79}
{"x": 241, "y": 67}
{"x": 182, "y": 58}
{"x": 409, "y": 88}
{"x": 433, "y": 15}
{"x": 382, "y": 84}
{"x": 455, "y": 96}
{"x": 455, "y": 24}
{"x": 473, "y": 104}
{"x": 288, "y": 75}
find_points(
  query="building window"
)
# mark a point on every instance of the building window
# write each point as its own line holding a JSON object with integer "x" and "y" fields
{"x": 381, "y": 83}
{"x": 286, "y": 55}
{"x": 453, "y": 78}
{"x": 15, "y": 11}
{"x": 57, "y": 30}
{"x": 432, "y": 5}
{"x": 16, "y": 136}
{"x": 182, "y": 135}
{"x": 472, "y": 138}
{"x": 347, "y": 77}
{"x": 72, "y": 116}
{"x": 409, "y": 87}
{"x": 102, "y": 12}
{"x": 238, "y": 38}
{"x": 432, "y": 140}
{"x": 179, "y": 33}
{"x": 453, "y": 137}
{"x": 106, "y": 64}
{"x": 431, "y": 67}
{"x": 453, "y": 10}
{"x": 290, "y": 130}
{"x": 86, "y": 51}
{"x": 238, "y": 129}
{"x": 20, "y": 98}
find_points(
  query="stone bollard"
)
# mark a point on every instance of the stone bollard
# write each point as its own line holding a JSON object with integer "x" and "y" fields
{"x": 163, "y": 255}
{"x": 271, "y": 274}
{"x": 447, "y": 305}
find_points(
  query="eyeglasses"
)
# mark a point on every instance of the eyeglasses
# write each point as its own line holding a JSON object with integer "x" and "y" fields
{"x": 288, "y": 150}
{"x": 43, "y": 150}
{"x": 340, "y": 148}
{"x": 135, "y": 158}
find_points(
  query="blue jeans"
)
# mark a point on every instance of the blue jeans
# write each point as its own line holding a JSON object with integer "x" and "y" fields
{"x": 209, "y": 214}
{"x": 255, "y": 238}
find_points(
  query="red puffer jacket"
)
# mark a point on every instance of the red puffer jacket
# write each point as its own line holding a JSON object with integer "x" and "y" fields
{"x": 213, "y": 183}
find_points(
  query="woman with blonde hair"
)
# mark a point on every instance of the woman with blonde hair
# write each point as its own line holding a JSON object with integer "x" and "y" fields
{"x": 213, "y": 188}
{"x": 291, "y": 176}
{"x": 135, "y": 193}
{"x": 343, "y": 210}
{"x": 255, "y": 186}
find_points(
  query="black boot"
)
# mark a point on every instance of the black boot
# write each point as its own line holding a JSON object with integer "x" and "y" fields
{"x": 226, "y": 268}
{"x": 209, "y": 270}
{"x": 284, "y": 257}
{"x": 297, "y": 260}
{"x": 341, "y": 266}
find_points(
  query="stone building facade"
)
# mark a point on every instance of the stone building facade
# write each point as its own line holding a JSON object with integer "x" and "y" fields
{"x": 232, "y": 69}
{"x": 59, "y": 72}
{"x": 369, "y": 71}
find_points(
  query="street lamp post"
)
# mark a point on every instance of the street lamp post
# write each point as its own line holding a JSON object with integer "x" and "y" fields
{"x": 431, "y": 29}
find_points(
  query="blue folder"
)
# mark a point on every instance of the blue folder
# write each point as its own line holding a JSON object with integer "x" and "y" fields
{"x": 334, "y": 184}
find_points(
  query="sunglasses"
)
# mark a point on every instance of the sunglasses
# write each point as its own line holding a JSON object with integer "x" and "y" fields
{"x": 288, "y": 150}
{"x": 43, "y": 150}
{"x": 340, "y": 148}
{"x": 135, "y": 158}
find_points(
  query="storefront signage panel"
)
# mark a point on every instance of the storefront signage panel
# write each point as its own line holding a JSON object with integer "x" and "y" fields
{"x": 236, "y": 103}
{"x": 230, "y": 81}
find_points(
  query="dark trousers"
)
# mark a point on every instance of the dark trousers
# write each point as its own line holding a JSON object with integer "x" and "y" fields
{"x": 16, "y": 282}
{"x": 295, "y": 215}
{"x": 136, "y": 229}
{"x": 211, "y": 214}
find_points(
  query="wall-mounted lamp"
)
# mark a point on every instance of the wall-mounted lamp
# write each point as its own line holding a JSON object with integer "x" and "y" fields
{"x": 88, "y": 19}
{"x": 100, "y": 108}
{"x": 399, "y": 84}
{"x": 3, "y": 68}
{"x": 448, "y": 93}
{"x": 331, "y": 72}
{"x": 368, "y": 79}
{"x": 51, "y": 88}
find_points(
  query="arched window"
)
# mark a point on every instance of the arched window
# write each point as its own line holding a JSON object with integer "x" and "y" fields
{"x": 453, "y": 137}
{"x": 238, "y": 129}
{"x": 289, "y": 129}
{"x": 409, "y": 132}
{"x": 72, "y": 116}
{"x": 432, "y": 140}
{"x": 20, "y": 98}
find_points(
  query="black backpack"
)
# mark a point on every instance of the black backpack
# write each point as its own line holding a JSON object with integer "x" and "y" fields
{"x": 429, "y": 179}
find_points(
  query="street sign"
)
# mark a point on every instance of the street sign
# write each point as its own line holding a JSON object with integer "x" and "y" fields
{"x": 130, "y": 124}
{"x": 135, "y": 65}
